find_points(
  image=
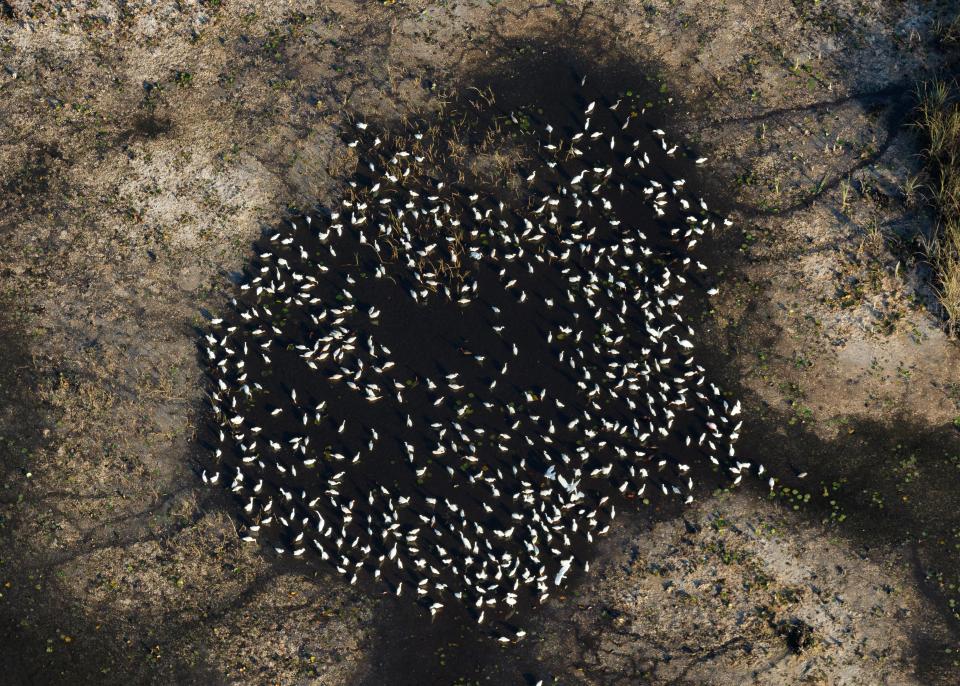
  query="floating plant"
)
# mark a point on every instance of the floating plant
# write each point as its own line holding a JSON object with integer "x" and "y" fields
{"x": 450, "y": 385}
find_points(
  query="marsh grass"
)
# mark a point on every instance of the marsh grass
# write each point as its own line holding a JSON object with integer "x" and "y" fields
{"x": 939, "y": 120}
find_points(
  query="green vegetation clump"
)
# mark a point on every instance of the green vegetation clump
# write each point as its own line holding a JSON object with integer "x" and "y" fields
{"x": 939, "y": 119}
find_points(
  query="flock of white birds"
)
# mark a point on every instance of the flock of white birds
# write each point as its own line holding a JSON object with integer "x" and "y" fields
{"x": 453, "y": 389}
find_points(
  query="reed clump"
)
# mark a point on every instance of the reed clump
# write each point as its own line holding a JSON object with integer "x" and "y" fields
{"x": 939, "y": 120}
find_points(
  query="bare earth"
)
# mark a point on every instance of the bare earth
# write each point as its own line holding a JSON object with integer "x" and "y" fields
{"x": 145, "y": 146}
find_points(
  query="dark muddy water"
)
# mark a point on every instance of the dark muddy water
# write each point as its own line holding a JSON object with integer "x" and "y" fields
{"x": 493, "y": 380}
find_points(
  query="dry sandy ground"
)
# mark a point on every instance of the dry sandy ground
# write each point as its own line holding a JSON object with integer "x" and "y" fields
{"x": 737, "y": 593}
{"x": 146, "y": 144}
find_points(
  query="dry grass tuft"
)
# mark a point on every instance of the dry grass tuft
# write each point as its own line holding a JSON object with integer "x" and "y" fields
{"x": 939, "y": 119}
